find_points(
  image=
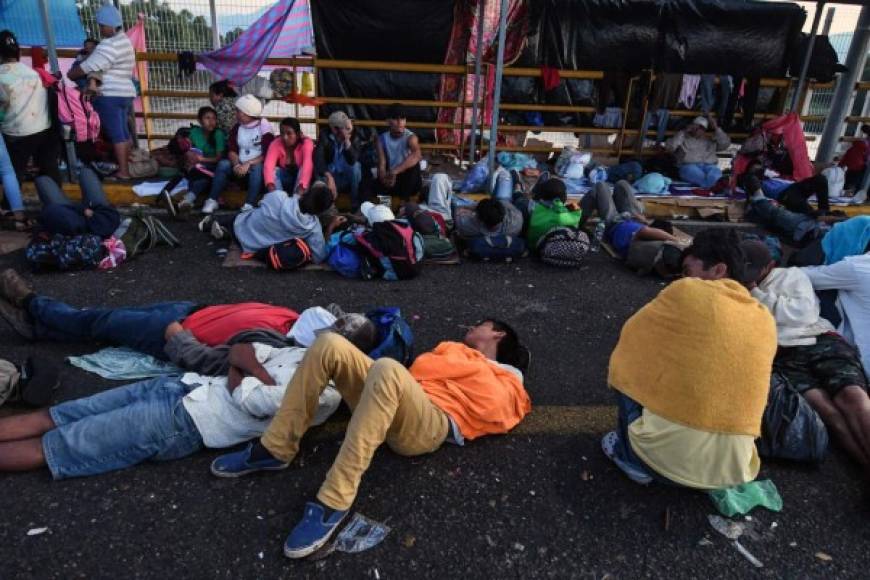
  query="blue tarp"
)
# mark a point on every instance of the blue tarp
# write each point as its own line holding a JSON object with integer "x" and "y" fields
{"x": 24, "y": 18}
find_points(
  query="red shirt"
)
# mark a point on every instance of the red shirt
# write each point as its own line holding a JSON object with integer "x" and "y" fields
{"x": 855, "y": 158}
{"x": 215, "y": 325}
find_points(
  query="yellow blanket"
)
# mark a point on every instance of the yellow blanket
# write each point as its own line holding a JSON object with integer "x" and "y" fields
{"x": 699, "y": 354}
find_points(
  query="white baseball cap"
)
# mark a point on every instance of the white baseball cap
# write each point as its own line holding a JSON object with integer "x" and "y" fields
{"x": 250, "y": 105}
{"x": 702, "y": 121}
{"x": 376, "y": 213}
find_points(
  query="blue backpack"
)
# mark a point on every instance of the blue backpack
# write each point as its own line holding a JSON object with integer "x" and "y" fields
{"x": 396, "y": 340}
{"x": 496, "y": 247}
{"x": 345, "y": 258}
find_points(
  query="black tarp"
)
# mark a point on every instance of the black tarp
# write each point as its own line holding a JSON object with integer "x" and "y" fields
{"x": 415, "y": 31}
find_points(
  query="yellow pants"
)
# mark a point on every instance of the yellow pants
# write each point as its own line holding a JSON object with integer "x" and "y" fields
{"x": 387, "y": 405}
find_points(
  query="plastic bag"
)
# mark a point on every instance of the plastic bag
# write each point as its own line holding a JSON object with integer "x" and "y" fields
{"x": 475, "y": 180}
{"x": 742, "y": 499}
{"x": 361, "y": 534}
{"x": 790, "y": 427}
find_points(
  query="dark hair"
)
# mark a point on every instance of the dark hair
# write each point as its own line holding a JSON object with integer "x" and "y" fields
{"x": 552, "y": 189}
{"x": 663, "y": 225}
{"x": 671, "y": 261}
{"x": 751, "y": 183}
{"x": 9, "y": 45}
{"x": 91, "y": 40}
{"x": 490, "y": 212}
{"x": 317, "y": 199}
{"x": 719, "y": 246}
{"x": 223, "y": 88}
{"x": 865, "y": 129}
{"x": 293, "y": 123}
{"x": 396, "y": 111}
{"x": 202, "y": 112}
{"x": 510, "y": 350}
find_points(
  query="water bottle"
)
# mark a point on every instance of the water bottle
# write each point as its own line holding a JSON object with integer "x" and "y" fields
{"x": 597, "y": 236}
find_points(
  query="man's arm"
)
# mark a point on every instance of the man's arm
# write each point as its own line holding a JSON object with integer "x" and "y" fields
{"x": 676, "y": 141}
{"x": 244, "y": 358}
{"x": 795, "y": 305}
{"x": 382, "y": 159}
{"x": 413, "y": 157}
{"x": 839, "y": 276}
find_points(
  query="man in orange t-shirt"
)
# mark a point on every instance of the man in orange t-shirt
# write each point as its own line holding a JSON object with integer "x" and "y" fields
{"x": 457, "y": 392}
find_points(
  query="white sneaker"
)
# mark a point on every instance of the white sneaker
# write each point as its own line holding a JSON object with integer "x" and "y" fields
{"x": 209, "y": 206}
{"x": 247, "y": 207}
{"x": 188, "y": 200}
{"x": 218, "y": 232}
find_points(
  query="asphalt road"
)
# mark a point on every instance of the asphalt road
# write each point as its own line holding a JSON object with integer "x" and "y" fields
{"x": 541, "y": 502}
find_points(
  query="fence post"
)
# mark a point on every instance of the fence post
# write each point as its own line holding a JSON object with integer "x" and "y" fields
{"x": 50, "y": 43}
{"x": 215, "y": 29}
{"x": 481, "y": 8}
{"x": 820, "y": 7}
{"x": 496, "y": 100}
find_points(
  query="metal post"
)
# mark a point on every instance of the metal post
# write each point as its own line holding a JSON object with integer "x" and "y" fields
{"x": 478, "y": 56}
{"x": 845, "y": 88}
{"x": 829, "y": 20}
{"x": 802, "y": 79}
{"x": 50, "y": 44}
{"x": 496, "y": 100}
{"x": 215, "y": 29}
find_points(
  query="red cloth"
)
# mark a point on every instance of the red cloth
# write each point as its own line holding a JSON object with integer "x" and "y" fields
{"x": 855, "y": 158}
{"x": 38, "y": 59}
{"x": 789, "y": 126}
{"x": 215, "y": 325}
{"x": 550, "y": 77}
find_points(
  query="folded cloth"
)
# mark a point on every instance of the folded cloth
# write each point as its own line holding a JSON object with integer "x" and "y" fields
{"x": 149, "y": 188}
{"x": 700, "y": 354}
{"x": 654, "y": 183}
{"x": 121, "y": 364}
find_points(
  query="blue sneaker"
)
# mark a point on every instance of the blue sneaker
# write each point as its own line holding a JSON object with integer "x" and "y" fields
{"x": 312, "y": 532}
{"x": 239, "y": 463}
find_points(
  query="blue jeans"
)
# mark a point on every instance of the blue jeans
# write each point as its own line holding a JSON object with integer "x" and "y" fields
{"x": 224, "y": 172}
{"x": 347, "y": 178}
{"x": 662, "y": 118}
{"x": 796, "y": 226}
{"x": 121, "y": 427}
{"x": 197, "y": 182}
{"x": 286, "y": 179}
{"x": 11, "y": 187}
{"x": 142, "y": 328}
{"x": 701, "y": 174}
{"x": 501, "y": 184}
{"x": 630, "y": 171}
{"x": 630, "y": 411}
{"x": 49, "y": 191}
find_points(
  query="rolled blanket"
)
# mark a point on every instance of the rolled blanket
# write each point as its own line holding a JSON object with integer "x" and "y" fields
{"x": 700, "y": 354}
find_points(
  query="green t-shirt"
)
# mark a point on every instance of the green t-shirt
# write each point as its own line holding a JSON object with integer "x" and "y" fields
{"x": 199, "y": 141}
{"x": 548, "y": 215}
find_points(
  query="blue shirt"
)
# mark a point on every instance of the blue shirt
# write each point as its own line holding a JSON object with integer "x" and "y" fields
{"x": 621, "y": 234}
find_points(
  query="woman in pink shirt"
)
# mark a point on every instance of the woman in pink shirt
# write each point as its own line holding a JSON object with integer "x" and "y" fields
{"x": 289, "y": 161}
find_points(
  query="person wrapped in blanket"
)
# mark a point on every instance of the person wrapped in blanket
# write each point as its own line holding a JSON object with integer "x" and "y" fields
{"x": 693, "y": 421}
{"x": 172, "y": 416}
{"x": 456, "y": 393}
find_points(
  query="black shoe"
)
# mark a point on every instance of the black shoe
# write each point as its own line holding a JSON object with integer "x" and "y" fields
{"x": 38, "y": 382}
{"x": 17, "y": 319}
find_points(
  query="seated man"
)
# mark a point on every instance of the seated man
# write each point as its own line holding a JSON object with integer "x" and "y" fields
{"x": 695, "y": 151}
{"x": 817, "y": 361}
{"x": 142, "y": 328}
{"x": 692, "y": 419}
{"x": 399, "y": 158}
{"x": 144, "y": 421}
{"x": 458, "y": 392}
{"x": 280, "y": 217}
{"x": 336, "y": 158}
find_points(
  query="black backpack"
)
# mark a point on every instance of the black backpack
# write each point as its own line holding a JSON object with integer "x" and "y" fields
{"x": 392, "y": 251}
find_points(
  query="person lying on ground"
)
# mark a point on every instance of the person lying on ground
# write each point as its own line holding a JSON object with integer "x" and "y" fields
{"x": 142, "y": 328}
{"x": 695, "y": 151}
{"x": 796, "y": 228}
{"x": 549, "y": 208}
{"x": 336, "y": 158}
{"x": 248, "y": 142}
{"x": 850, "y": 278}
{"x": 399, "y": 157}
{"x": 496, "y": 215}
{"x": 457, "y": 392}
{"x": 289, "y": 164}
{"x": 818, "y": 362}
{"x": 693, "y": 421}
{"x": 280, "y": 217}
{"x": 60, "y": 215}
{"x": 160, "y": 419}
{"x": 793, "y": 196}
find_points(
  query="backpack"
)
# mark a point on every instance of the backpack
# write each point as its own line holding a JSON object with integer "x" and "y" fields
{"x": 287, "y": 255}
{"x": 392, "y": 251}
{"x": 65, "y": 252}
{"x": 790, "y": 427}
{"x": 437, "y": 248}
{"x": 497, "y": 248}
{"x": 141, "y": 233}
{"x": 395, "y": 339}
{"x": 564, "y": 247}
{"x": 344, "y": 257}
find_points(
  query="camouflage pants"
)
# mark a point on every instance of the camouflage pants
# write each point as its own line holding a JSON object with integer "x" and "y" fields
{"x": 831, "y": 364}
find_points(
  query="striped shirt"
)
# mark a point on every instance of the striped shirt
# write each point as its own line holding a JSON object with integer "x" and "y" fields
{"x": 115, "y": 58}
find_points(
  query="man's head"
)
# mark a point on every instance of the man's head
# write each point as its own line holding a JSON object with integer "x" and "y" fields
{"x": 89, "y": 45}
{"x": 714, "y": 254}
{"x": 759, "y": 262}
{"x": 340, "y": 125}
{"x": 9, "y": 49}
{"x": 490, "y": 212}
{"x": 493, "y": 335}
{"x": 420, "y": 219}
{"x": 699, "y": 127}
{"x": 317, "y": 199}
{"x": 358, "y": 329}
{"x": 551, "y": 190}
{"x": 109, "y": 20}
{"x": 207, "y": 117}
{"x": 291, "y": 132}
{"x": 396, "y": 119}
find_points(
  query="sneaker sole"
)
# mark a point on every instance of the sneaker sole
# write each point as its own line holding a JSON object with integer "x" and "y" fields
{"x": 238, "y": 474}
{"x": 308, "y": 550}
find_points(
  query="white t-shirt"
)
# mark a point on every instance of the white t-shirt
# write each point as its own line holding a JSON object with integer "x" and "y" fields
{"x": 250, "y": 139}
{"x": 23, "y": 99}
{"x": 788, "y": 294}
{"x": 224, "y": 419}
{"x": 116, "y": 59}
